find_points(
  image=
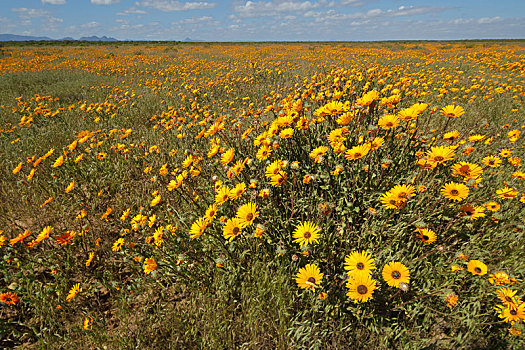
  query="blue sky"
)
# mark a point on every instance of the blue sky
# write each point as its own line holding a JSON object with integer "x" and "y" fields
{"x": 255, "y": 20}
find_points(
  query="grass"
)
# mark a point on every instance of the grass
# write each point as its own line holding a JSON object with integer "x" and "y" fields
{"x": 144, "y": 116}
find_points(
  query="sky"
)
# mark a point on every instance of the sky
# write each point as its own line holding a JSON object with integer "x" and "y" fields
{"x": 270, "y": 20}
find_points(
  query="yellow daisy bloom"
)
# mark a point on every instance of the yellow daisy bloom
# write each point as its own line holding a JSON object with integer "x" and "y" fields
{"x": 395, "y": 273}
{"x": 359, "y": 262}
{"x": 306, "y": 233}
{"x": 452, "y": 111}
{"x": 232, "y": 228}
{"x": 455, "y": 191}
{"x": 247, "y": 213}
{"x": 309, "y": 277}
{"x": 361, "y": 287}
{"x": 476, "y": 267}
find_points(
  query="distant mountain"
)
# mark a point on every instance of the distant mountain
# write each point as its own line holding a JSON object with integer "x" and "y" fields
{"x": 189, "y": 40}
{"x": 96, "y": 38}
{"x": 13, "y": 37}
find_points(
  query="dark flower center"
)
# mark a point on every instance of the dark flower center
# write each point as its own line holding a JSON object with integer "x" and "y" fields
{"x": 454, "y": 192}
{"x": 361, "y": 289}
{"x": 477, "y": 269}
{"x": 509, "y": 299}
{"x": 235, "y": 230}
{"x": 396, "y": 274}
{"x": 425, "y": 237}
{"x": 360, "y": 266}
{"x": 513, "y": 312}
{"x": 438, "y": 158}
{"x": 249, "y": 217}
{"x": 311, "y": 280}
{"x": 464, "y": 170}
{"x": 357, "y": 154}
{"x": 307, "y": 235}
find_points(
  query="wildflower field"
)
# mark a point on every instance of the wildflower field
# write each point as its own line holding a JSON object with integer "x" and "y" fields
{"x": 263, "y": 195}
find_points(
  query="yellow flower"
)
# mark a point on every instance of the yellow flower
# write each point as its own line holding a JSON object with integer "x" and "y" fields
{"x": 361, "y": 287}
{"x": 264, "y": 152}
{"x": 279, "y": 179}
{"x": 211, "y": 212}
{"x": 70, "y": 187}
{"x": 476, "y": 267}
{"x": 155, "y": 200}
{"x": 286, "y": 133}
{"x": 149, "y": 265}
{"x": 492, "y": 161}
{"x": 357, "y": 152}
{"x": 403, "y": 192}
{"x": 18, "y": 168}
{"x": 88, "y": 321}
{"x": 264, "y": 193}
{"x": 227, "y": 156}
{"x": 232, "y": 228}
{"x": 58, "y": 162}
{"x": 455, "y": 268}
{"x": 247, "y": 213}
{"x": 388, "y": 122}
{"x": 223, "y": 194}
{"x": 506, "y": 193}
{"x": 467, "y": 170}
{"x": 309, "y": 277}
{"x": 90, "y": 258}
{"x": 118, "y": 245}
{"x": 426, "y": 235}
{"x": 306, "y": 233}
{"x": 198, "y": 227}
{"x": 455, "y": 191}
{"x": 451, "y": 299}
{"x": 31, "y": 174}
{"x": 395, "y": 273}
{"x": 441, "y": 154}
{"x": 47, "y": 201}
{"x": 125, "y": 214}
{"x": 499, "y": 279}
{"x": 452, "y": 111}
{"x": 317, "y": 153}
{"x": 73, "y": 292}
{"x": 237, "y": 191}
{"x": 359, "y": 262}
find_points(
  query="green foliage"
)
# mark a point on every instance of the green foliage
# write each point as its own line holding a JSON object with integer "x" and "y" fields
{"x": 136, "y": 126}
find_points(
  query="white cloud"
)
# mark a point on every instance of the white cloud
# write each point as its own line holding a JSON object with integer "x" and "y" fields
{"x": 275, "y": 7}
{"x": 194, "y": 20}
{"x": 26, "y": 13}
{"x": 168, "y": 6}
{"x": 131, "y": 11}
{"x": 352, "y": 2}
{"x": 105, "y": 2}
{"x": 54, "y": 2}
{"x": 90, "y": 25}
{"x": 374, "y": 12}
{"x": 486, "y": 20}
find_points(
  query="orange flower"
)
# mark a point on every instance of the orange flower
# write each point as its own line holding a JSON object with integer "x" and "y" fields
{"x": 9, "y": 298}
